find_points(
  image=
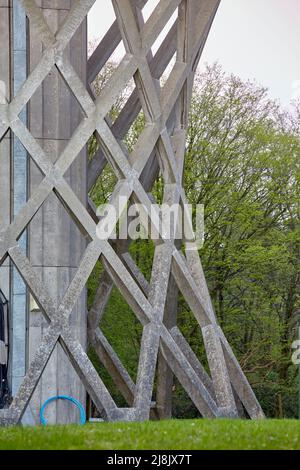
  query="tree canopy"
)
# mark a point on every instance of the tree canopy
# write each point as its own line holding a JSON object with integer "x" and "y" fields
{"x": 242, "y": 164}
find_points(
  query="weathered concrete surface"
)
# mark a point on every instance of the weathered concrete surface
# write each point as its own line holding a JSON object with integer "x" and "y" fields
{"x": 5, "y": 162}
{"x": 166, "y": 112}
{"x": 56, "y": 244}
{"x": 19, "y": 179}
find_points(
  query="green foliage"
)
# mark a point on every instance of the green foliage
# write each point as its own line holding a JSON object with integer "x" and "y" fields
{"x": 242, "y": 163}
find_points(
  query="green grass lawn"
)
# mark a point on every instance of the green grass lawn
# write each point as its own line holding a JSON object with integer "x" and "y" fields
{"x": 173, "y": 435}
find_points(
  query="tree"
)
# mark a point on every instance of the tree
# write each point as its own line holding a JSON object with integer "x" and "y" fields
{"x": 242, "y": 163}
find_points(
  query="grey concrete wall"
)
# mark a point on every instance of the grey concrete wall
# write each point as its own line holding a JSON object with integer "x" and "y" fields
{"x": 5, "y": 170}
{"x": 19, "y": 178}
{"x": 55, "y": 242}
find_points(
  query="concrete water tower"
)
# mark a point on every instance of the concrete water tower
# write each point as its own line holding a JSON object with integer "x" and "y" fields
{"x": 49, "y": 242}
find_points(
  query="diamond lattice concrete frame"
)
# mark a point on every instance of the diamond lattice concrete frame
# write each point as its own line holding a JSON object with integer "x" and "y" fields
{"x": 159, "y": 147}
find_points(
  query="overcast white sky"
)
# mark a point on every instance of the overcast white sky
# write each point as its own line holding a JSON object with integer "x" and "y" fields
{"x": 255, "y": 39}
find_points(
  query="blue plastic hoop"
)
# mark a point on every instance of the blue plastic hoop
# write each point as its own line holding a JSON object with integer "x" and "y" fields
{"x": 62, "y": 397}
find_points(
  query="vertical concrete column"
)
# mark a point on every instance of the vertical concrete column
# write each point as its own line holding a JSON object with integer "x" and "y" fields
{"x": 5, "y": 162}
{"x": 55, "y": 242}
{"x": 18, "y": 305}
